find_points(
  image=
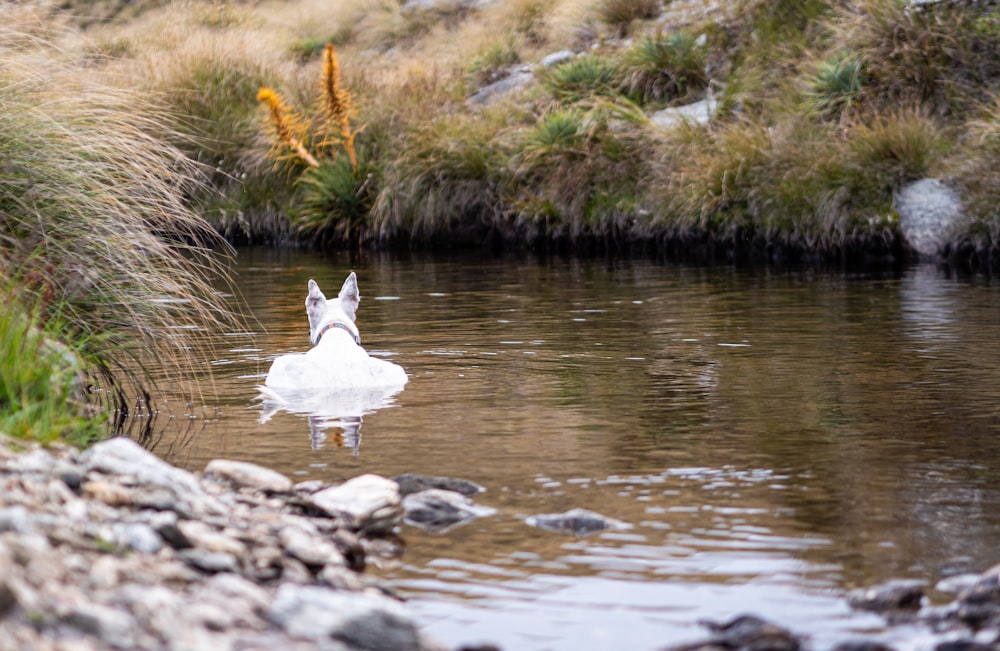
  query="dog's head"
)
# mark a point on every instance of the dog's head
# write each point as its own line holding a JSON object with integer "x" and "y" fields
{"x": 343, "y": 309}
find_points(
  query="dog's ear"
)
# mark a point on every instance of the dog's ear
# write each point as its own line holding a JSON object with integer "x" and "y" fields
{"x": 350, "y": 296}
{"x": 315, "y": 303}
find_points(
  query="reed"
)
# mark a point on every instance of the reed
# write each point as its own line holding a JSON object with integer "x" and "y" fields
{"x": 95, "y": 228}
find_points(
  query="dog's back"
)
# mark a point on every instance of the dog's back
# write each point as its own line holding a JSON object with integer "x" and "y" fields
{"x": 337, "y": 361}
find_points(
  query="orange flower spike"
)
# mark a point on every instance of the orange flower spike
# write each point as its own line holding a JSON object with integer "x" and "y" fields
{"x": 285, "y": 124}
{"x": 338, "y": 100}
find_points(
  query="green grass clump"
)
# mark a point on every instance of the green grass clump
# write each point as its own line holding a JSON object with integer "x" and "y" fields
{"x": 493, "y": 63}
{"x": 835, "y": 87}
{"x": 42, "y": 393}
{"x": 582, "y": 77}
{"x": 664, "y": 67}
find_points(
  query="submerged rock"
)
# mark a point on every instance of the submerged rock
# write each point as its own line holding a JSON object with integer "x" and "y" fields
{"x": 414, "y": 483}
{"x": 891, "y": 595}
{"x": 577, "y": 521}
{"x": 746, "y": 632}
{"x": 437, "y": 510}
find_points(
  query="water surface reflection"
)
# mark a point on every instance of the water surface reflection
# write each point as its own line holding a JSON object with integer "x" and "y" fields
{"x": 774, "y": 438}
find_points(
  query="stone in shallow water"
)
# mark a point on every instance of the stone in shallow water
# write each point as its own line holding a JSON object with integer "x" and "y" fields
{"x": 248, "y": 475}
{"x": 367, "y": 503}
{"x": 891, "y": 595}
{"x": 436, "y": 510}
{"x": 745, "y": 632}
{"x": 414, "y": 483}
{"x": 581, "y": 522}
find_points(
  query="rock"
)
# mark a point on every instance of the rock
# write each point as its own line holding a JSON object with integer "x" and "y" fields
{"x": 367, "y": 503}
{"x": 136, "y": 536}
{"x": 413, "y": 483}
{"x": 929, "y": 214}
{"x": 514, "y": 81}
{"x": 110, "y": 625}
{"x": 361, "y": 621}
{"x": 248, "y": 475}
{"x": 577, "y": 521}
{"x": 16, "y": 519}
{"x": 697, "y": 113}
{"x": 309, "y": 547}
{"x": 979, "y": 604}
{"x": 744, "y": 633}
{"x": 178, "y": 488}
{"x": 862, "y": 645}
{"x": 965, "y": 645}
{"x": 207, "y": 561}
{"x": 556, "y": 58}
{"x": 892, "y": 595}
{"x": 205, "y": 537}
{"x": 437, "y": 510}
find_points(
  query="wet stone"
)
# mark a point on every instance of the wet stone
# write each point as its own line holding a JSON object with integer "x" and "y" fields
{"x": 581, "y": 522}
{"x": 438, "y": 510}
{"x": 892, "y": 595}
{"x": 414, "y": 483}
{"x": 746, "y": 632}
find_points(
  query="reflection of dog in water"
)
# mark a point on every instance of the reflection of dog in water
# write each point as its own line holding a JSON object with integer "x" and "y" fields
{"x": 337, "y": 381}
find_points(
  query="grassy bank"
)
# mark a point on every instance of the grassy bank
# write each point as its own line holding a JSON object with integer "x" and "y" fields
{"x": 825, "y": 109}
{"x": 103, "y": 267}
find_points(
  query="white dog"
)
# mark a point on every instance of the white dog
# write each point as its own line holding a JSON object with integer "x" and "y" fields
{"x": 337, "y": 363}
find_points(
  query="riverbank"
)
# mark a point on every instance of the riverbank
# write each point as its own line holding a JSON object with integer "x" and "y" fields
{"x": 114, "y": 549}
{"x": 750, "y": 130}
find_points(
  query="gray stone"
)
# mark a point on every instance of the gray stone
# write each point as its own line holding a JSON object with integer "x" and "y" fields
{"x": 122, "y": 456}
{"x": 137, "y": 536}
{"x": 362, "y": 621}
{"x": 309, "y": 548}
{"x": 929, "y": 215}
{"x": 891, "y": 595}
{"x": 367, "y": 503}
{"x": 577, "y": 521}
{"x": 556, "y": 58}
{"x": 248, "y": 475}
{"x": 207, "y": 561}
{"x": 16, "y": 519}
{"x": 697, "y": 113}
{"x": 437, "y": 510}
{"x": 414, "y": 483}
{"x": 110, "y": 625}
{"x": 514, "y": 81}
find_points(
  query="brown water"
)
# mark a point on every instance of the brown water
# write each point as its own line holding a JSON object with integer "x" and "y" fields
{"x": 774, "y": 438}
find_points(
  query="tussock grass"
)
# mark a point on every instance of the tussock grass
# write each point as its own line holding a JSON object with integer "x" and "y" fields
{"x": 621, "y": 14}
{"x": 95, "y": 227}
{"x": 942, "y": 55}
{"x": 446, "y": 188}
{"x": 582, "y": 77}
{"x": 663, "y": 67}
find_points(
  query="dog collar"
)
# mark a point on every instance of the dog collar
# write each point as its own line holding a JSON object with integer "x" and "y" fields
{"x": 342, "y": 326}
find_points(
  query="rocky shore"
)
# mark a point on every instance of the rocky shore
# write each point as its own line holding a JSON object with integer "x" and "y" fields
{"x": 113, "y": 548}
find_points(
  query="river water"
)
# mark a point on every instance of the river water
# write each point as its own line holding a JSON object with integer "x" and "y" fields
{"x": 775, "y": 438}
